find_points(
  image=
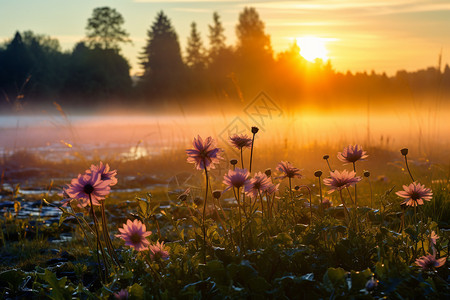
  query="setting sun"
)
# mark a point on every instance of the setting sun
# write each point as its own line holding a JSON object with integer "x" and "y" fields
{"x": 312, "y": 48}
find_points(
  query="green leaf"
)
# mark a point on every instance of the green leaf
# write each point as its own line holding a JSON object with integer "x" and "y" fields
{"x": 137, "y": 291}
{"x": 63, "y": 217}
{"x": 335, "y": 278}
{"x": 58, "y": 286}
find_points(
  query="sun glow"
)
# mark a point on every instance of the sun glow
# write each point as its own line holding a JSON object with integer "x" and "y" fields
{"x": 312, "y": 48}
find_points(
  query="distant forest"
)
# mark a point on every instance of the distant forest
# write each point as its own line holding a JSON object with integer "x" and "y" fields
{"x": 35, "y": 71}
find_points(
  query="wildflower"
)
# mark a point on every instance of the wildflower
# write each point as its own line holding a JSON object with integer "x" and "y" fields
{"x": 236, "y": 178}
{"x": 404, "y": 151}
{"x": 105, "y": 173}
{"x": 159, "y": 251}
{"x": 433, "y": 237}
{"x": 259, "y": 183}
{"x": 326, "y": 156}
{"x": 351, "y": 154}
{"x": 366, "y": 174}
{"x": 326, "y": 203}
{"x": 122, "y": 295}
{"x": 318, "y": 173}
{"x": 241, "y": 141}
{"x": 88, "y": 185}
{"x": 289, "y": 170}
{"x": 134, "y": 234}
{"x": 255, "y": 129}
{"x": 217, "y": 194}
{"x": 414, "y": 194}
{"x": 233, "y": 162}
{"x": 205, "y": 154}
{"x": 272, "y": 188}
{"x": 429, "y": 262}
{"x": 339, "y": 180}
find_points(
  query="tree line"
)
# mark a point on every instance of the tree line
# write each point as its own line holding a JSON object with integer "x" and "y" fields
{"x": 34, "y": 69}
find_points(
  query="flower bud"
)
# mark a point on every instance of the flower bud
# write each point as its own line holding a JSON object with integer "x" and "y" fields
{"x": 318, "y": 173}
{"x": 233, "y": 162}
{"x": 371, "y": 284}
{"x": 268, "y": 172}
{"x": 404, "y": 151}
{"x": 366, "y": 173}
{"x": 217, "y": 194}
{"x": 198, "y": 201}
{"x": 326, "y": 156}
{"x": 296, "y": 188}
{"x": 255, "y": 130}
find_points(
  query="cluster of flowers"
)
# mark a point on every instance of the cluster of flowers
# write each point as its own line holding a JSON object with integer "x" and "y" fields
{"x": 92, "y": 187}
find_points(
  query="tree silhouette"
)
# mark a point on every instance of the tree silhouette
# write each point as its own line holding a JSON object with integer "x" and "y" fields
{"x": 252, "y": 39}
{"x": 104, "y": 29}
{"x": 216, "y": 36}
{"x": 161, "y": 60}
{"x": 195, "y": 58}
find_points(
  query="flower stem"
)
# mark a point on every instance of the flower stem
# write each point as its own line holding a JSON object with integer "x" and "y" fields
{"x": 251, "y": 153}
{"x": 204, "y": 216}
{"x": 242, "y": 159}
{"x": 107, "y": 238}
{"x": 321, "y": 198}
{"x": 99, "y": 245}
{"x": 407, "y": 167}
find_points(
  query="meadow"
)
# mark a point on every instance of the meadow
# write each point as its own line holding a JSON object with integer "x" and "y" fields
{"x": 299, "y": 208}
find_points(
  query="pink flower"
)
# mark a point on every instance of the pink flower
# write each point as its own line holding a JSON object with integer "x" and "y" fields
{"x": 351, "y": 154}
{"x": 339, "y": 180}
{"x": 288, "y": 170}
{"x": 134, "y": 234}
{"x": 89, "y": 184}
{"x": 414, "y": 194}
{"x": 273, "y": 188}
{"x": 241, "y": 141}
{"x": 159, "y": 251}
{"x": 205, "y": 154}
{"x": 122, "y": 295}
{"x": 429, "y": 262}
{"x": 433, "y": 237}
{"x": 258, "y": 184}
{"x": 236, "y": 178}
{"x": 105, "y": 173}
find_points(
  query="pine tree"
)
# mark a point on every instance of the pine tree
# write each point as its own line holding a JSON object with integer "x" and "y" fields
{"x": 195, "y": 58}
{"x": 216, "y": 36}
{"x": 161, "y": 59}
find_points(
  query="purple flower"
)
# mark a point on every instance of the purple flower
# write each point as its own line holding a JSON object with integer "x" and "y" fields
{"x": 429, "y": 262}
{"x": 288, "y": 170}
{"x": 273, "y": 188}
{"x": 339, "y": 180}
{"x": 122, "y": 295}
{"x": 205, "y": 154}
{"x": 241, "y": 141}
{"x": 134, "y": 234}
{"x": 236, "y": 178}
{"x": 159, "y": 251}
{"x": 414, "y": 194}
{"x": 351, "y": 154}
{"x": 433, "y": 238}
{"x": 105, "y": 172}
{"x": 89, "y": 184}
{"x": 258, "y": 184}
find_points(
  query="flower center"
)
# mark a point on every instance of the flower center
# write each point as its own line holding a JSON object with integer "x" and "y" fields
{"x": 135, "y": 238}
{"x": 88, "y": 188}
{"x": 415, "y": 196}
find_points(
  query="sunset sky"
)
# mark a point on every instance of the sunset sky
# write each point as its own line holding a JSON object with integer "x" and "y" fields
{"x": 359, "y": 35}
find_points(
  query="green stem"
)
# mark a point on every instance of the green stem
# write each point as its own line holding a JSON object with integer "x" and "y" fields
{"x": 204, "y": 216}
{"x": 251, "y": 153}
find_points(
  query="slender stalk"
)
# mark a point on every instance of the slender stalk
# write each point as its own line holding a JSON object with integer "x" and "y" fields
{"x": 371, "y": 194}
{"x": 106, "y": 236}
{"x": 236, "y": 195}
{"x": 204, "y": 216}
{"x": 99, "y": 245}
{"x": 320, "y": 191}
{"x": 407, "y": 167}
{"x": 347, "y": 214}
{"x": 329, "y": 167}
{"x": 292, "y": 198}
{"x": 242, "y": 159}
{"x": 356, "y": 197}
{"x": 251, "y": 153}
{"x": 310, "y": 202}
